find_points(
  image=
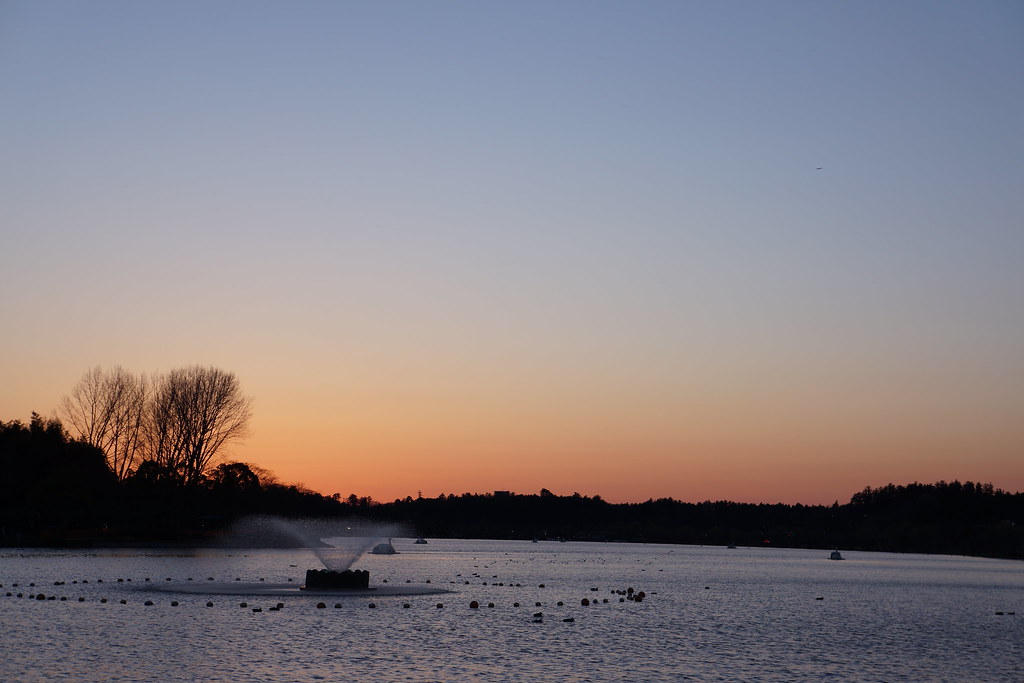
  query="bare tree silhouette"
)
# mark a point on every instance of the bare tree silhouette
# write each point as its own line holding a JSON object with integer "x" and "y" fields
{"x": 106, "y": 409}
{"x": 193, "y": 414}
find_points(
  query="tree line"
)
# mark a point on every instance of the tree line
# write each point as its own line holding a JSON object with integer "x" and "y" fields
{"x": 59, "y": 490}
{"x": 141, "y": 460}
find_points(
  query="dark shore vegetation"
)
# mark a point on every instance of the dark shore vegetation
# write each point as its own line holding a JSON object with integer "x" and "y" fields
{"x": 59, "y": 491}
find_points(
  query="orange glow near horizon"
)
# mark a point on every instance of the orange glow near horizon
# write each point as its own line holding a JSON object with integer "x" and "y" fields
{"x": 462, "y": 266}
{"x": 391, "y": 445}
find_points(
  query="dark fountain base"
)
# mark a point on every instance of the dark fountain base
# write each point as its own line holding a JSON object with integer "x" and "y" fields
{"x": 326, "y": 579}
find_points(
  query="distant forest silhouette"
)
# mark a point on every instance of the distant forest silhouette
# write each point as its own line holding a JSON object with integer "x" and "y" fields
{"x": 59, "y": 491}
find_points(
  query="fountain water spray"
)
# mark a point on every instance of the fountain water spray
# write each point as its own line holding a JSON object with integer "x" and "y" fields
{"x": 336, "y": 543}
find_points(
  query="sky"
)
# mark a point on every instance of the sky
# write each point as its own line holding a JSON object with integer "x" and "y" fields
{"x": 749, "y": 251}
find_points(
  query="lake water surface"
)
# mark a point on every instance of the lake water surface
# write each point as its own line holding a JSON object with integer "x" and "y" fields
{"x": 710, "y": 614}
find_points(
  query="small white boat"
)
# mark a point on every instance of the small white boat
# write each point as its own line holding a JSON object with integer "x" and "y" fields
{"x": 836, "y": 555}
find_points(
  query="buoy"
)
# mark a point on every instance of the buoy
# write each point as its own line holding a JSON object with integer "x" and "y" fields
{"x": 103, "y": 600}
{"x": 243, "y": 604}
{"x": 321, "y": 605}
{"x": 373, "y": 605}
{"x": 538, "y": 614}
{"x": 540, "y": 586}
{"x": 174, "y": 603}
{"x": 148, "y": 603}
{"x": 474, "y": 605}
{"x": 124, "y": 602}
{"x": 536, "y": 604}
{"x": 490, "y": 604}
{"x": 585, "y": 602}
{"x": 515, "y": 604}
{"x": 406, "y": 605}
{"x": 440, "y": 605}
{"x": 280, "y": 605}
{"x": 337, "y": 605}
{"x": 560, "y": 603}
{"x": 209, "y": 604}
{"x": 257, "y": 609}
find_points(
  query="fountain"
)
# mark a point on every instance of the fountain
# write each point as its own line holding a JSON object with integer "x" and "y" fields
{"x": 337, "y": 544}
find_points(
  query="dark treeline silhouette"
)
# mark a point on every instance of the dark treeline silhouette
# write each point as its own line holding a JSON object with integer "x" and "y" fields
{"x": 55, "y": 490}
{"x": 59, "y": 491}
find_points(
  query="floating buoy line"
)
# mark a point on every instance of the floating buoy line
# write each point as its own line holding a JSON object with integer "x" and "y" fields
{"x": 190, "y": 586}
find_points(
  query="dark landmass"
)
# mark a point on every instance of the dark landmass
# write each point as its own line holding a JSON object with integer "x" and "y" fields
{"x": 57, "y": 492}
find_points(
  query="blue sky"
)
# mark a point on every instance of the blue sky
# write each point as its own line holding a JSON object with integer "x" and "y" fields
{"x": 607, "y": 212}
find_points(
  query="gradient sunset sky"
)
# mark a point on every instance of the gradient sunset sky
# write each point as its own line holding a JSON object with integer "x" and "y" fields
{"x": 757, "y": 251}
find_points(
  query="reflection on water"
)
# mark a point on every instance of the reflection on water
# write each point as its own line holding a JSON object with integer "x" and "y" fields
{"x": 710, "y": 613}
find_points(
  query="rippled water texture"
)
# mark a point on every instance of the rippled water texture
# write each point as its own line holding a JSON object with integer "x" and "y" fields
{"x": 709, "y": 614}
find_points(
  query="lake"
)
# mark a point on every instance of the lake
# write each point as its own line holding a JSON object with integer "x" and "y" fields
{"x": 709, "y": 614}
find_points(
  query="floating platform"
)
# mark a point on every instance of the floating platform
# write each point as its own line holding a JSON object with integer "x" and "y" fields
{"x": 331, "y": 580}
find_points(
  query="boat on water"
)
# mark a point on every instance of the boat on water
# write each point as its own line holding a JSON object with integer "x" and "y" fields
{"x": 384, "y": 549}
{"x": 836, "y": 555}
{"x": 420, "y": 541}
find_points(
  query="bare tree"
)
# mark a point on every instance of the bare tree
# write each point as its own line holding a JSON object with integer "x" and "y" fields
{"x": 193, "y": 414}
{"x": 106, "y": 409}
